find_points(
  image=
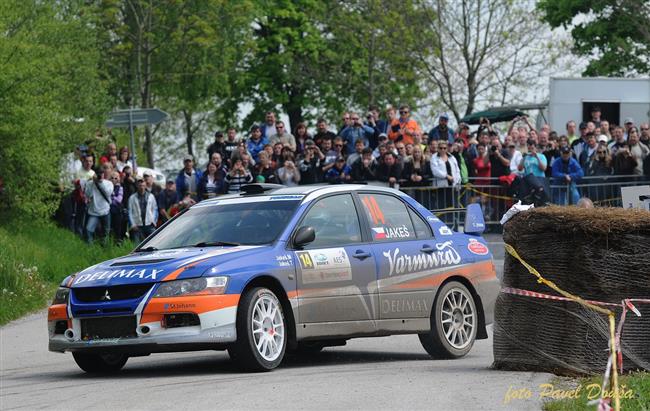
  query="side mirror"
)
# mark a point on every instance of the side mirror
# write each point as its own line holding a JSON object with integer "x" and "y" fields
{"x": 304, "y": 235}
{"x": 474, "y": 221}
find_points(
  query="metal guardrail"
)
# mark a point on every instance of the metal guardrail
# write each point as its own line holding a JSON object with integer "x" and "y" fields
{"x": 496, "y": 198}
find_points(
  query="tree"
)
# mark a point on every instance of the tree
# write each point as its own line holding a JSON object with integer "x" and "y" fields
{"x": 321, "y": 57}
{"x": 50, "y": 95}
{"x": 378, "y": 39}
{"x": 613, "y": 34}
{"x": 481, "y": 50}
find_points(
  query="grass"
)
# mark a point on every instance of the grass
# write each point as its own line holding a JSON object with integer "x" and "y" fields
{"x": 35, "y": 258}
{"x": 634, "y": 390}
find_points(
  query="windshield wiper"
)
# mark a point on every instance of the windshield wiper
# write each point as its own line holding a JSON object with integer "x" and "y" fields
{"x": 143, "y": 250}
{"x": 215, "y": 244}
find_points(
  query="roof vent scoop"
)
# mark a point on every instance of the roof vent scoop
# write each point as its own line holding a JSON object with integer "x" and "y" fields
{"x": 250, "y": 189}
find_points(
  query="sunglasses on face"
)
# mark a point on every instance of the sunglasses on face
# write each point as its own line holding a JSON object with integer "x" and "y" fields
{"x": 354, "y": 118}
{"x": 403, "y": 112}
{"x": 442, "y": 147}
{"x": 601, "y": 152}
{"x": 279, "y": 126}
{"x": 511, "y": 146}
{"x": 338, "y": 145}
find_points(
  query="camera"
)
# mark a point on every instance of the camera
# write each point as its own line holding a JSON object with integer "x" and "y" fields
{"x": 493, "y": 149}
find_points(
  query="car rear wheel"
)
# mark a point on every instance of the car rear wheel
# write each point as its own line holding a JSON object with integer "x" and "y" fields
{"x": 100, "y": 363}
{"x": 454, "y": 323}
{"x": 261, "y": 331}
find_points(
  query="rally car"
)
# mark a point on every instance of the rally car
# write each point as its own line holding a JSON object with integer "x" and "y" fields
{"x": 274, "y": 269}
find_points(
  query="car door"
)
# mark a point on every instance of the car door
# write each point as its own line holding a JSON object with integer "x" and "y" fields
{"x": 407, "y": 256}
{"x": 336, "y": 273}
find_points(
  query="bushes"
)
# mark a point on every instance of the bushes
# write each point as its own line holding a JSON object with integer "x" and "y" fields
{"x": 35, "y": 257}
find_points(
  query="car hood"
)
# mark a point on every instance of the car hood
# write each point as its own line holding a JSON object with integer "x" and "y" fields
{"x": 155, "y": 266}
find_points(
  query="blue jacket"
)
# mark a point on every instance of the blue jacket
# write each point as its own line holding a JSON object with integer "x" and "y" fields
{"x": 334, "y": 176}
{"x": 436, "y": 134}
{"x": 181, "y": 189}
{"x": 255, "y": 148}
{"x": 351, "y": 134}
{"x": 559, "y": 169}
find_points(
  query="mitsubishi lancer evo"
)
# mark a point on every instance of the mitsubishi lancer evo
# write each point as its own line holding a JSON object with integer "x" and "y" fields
{"x": 276, "y": 269}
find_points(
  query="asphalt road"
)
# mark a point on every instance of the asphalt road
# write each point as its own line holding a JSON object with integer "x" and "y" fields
{"x": 370, "y": 373}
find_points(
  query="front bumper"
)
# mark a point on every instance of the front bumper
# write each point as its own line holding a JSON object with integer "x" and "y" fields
{"x": 217, "y": 315}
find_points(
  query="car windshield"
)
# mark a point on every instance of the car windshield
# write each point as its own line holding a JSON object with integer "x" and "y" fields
{"x": 225, "y": 224}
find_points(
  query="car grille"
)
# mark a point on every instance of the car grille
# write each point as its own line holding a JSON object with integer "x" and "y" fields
{"x": 107, "y": 294}
{"x": 108, "y": 327}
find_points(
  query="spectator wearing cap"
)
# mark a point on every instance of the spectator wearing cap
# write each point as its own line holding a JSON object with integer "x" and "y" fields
{"x": 268, "y": 128}
{"x": 365, "y": 167}
{"x": 442, "y": 130}
{"x": 143, "y": 212}
{"x": 322, "y": 132}
{"x": 256, "y": 142}
{"x": 167, "y": 199}
{"x": 566, "y": 171}
{"x": 637, "y": 150}
{"x": 218, "y": 146}
{"x": 187, "y": 180}
{"x": 356, "y": 131}
{"x": 404, "y": 128}
{"x": 628, "y": 123}
{"x": 619, "y": 140}
{"x": 571, "y": 131}
{"x": 595, "y": 116}
{"x": 301, "y": 135}
{"x": 339, "y": 173}
{"x": 283, "y": 136}
{"x": 151, "y": 185}
{"x": 310, "y": 164}
{"x": 579, "y": 144}
{"x": 603, "y": 140}
{"x": 588, "y": 152}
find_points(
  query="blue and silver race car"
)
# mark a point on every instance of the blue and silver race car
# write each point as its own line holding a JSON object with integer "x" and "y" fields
{"x": 274, "y": 269}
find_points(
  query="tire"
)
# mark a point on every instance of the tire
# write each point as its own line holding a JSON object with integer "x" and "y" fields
{"x": 261, "y": 331}
{"x": 454, "y": 323}
{"x": 100, "y": 363}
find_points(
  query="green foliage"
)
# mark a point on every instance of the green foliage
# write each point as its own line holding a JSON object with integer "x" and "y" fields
{"x": 613, "y": 34}
{"x": 634, "y": 389}
{"x": 35, "y": 258}
{"x": 317, "y": 58}
{"x": 50, "y": 95}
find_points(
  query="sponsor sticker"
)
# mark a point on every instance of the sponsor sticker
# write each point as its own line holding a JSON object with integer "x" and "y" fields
{"x": 385, "y": 233}
{"x": 476, "y": 247}
{"x": 444, "y": 230}
{"x": 320, "y": 266}
{"x": 443, "y": 255}
{"x": 284, "y": 260}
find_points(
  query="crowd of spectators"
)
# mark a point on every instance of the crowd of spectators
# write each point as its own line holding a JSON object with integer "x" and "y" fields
{"x": 392, "y": 149}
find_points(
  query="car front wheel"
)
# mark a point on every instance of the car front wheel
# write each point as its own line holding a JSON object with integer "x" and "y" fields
{"x": 100, "y": 363}
{"x": 261, "y": 331}
{"x": 454, "y": 322}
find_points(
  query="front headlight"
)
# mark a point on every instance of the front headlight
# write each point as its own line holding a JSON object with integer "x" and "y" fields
{"x": 61, "y": 296}
{"x": 192, "y": 286}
